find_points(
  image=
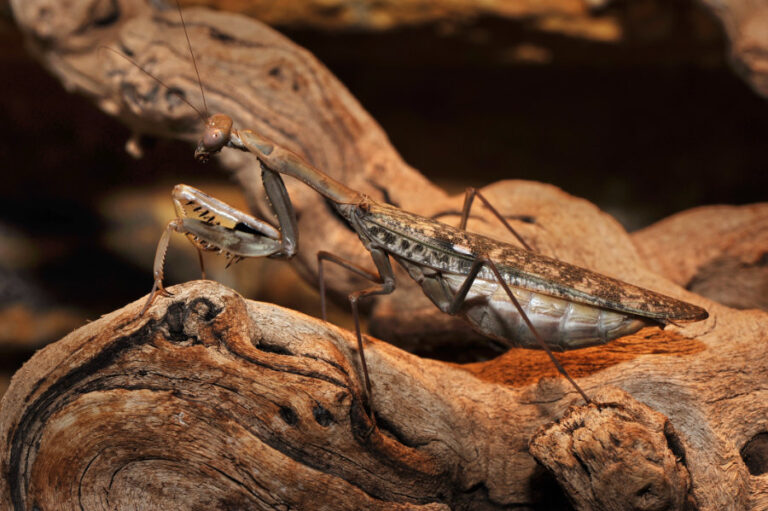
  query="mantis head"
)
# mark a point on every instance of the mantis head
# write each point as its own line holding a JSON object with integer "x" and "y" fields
{"x": 218, "y": 128}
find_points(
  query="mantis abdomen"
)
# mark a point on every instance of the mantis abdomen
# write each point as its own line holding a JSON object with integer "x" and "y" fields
{"x": 563, "y": 324}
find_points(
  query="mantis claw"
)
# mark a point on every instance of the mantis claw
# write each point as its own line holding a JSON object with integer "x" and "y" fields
{"x": 157, "y": 289}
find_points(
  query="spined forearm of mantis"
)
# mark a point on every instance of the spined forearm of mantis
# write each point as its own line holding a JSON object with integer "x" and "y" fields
{"x": 509, "y": 294}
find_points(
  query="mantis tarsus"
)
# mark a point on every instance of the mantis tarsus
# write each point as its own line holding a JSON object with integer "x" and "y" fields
{"x": 513, "y": 295}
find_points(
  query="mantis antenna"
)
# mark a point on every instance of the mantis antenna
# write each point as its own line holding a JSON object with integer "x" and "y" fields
{"x": 204, "y": 114}
{"x": 194, "y": 60}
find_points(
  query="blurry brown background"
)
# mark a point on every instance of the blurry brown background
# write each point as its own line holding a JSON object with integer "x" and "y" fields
{"x": 633, "y": 107}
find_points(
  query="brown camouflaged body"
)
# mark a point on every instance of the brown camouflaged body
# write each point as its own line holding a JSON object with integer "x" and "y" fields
{"x": 570, "y": 306}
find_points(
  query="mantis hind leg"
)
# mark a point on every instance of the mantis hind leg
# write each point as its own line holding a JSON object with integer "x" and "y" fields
{"x": 469, "y": 198}
{"x": 461, "y": 295}
{"x": 386, "y": 280}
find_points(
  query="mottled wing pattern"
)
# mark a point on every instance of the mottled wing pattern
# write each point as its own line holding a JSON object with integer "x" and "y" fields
{"x": 449, "y": 249}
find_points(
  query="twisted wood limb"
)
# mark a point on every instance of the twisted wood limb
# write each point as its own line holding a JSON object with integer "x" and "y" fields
{"x": 212, "y": 402}
{"x": 720, "y": 252}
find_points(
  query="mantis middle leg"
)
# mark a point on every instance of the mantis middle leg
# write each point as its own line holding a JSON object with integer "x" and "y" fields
{"x": 386, "y": 280}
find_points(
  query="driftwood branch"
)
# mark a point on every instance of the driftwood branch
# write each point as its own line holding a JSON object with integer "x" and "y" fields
{"x": 215, "y": 402}
{"x": 720, "y": 252}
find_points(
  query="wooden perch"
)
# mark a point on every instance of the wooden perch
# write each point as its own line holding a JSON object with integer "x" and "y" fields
{"x": 215, "y": 402}
{"x": 618, "y": 454}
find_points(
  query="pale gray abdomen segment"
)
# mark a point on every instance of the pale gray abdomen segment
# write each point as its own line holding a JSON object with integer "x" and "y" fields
{"x": 562, "y": 324}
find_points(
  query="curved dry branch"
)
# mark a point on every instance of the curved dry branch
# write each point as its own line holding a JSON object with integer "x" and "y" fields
{"x": 213, "y": 401}
{"x": 258, "y": 77}
{"x": 720, "y": 252}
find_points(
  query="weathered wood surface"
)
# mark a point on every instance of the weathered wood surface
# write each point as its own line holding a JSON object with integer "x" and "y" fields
{"x": 387, "y": 14}
{"x": 618, "y": 454}
{"x": 214, "y": 402}
{"x": 720, "y": 252}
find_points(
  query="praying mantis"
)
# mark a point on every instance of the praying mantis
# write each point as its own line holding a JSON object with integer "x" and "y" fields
{"x": 512, "y": 295}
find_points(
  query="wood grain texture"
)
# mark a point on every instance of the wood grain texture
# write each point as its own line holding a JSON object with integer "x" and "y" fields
{"x": 615, "y": 455}
{"x": 214, "y": 402}
{"x": 720, "y": 252}
{"x": 203, "y": 407}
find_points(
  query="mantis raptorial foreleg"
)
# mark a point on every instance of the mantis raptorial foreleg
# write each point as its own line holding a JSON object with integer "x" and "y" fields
{"x": 162, "y": 249}
{"x": 222, "y": 228}
{"x": 286, "y": 215}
